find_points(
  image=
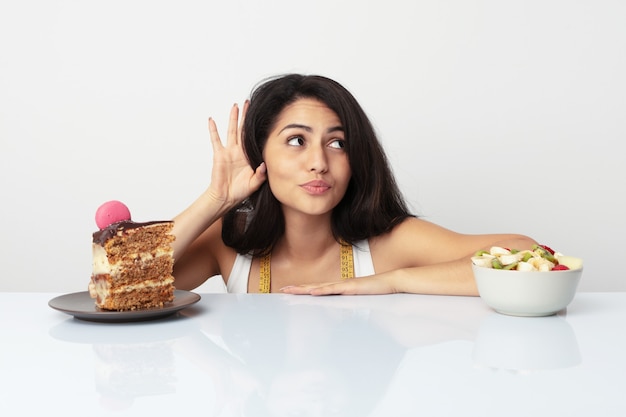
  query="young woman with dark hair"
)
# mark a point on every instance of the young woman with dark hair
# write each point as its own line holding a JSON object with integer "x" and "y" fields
{"x": 302, "y": 198}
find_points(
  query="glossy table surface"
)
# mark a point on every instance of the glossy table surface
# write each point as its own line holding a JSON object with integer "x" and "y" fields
{"x": 282, "y": 355}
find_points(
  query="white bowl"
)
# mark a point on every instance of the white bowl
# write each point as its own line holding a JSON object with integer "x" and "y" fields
{"x": 527, "y": 293}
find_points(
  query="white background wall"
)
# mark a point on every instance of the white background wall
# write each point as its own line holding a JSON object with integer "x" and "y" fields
{"x": 498, "y": 116}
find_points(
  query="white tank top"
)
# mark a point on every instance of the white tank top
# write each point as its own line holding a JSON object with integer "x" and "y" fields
{"x": 238, "y": 279}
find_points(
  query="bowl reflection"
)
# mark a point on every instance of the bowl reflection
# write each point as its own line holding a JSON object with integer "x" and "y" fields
{"x": 526, "y": 344}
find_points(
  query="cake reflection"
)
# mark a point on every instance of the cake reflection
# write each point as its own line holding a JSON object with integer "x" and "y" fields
{"x": 126, "y": 372}
{"x": 131, "y": 360}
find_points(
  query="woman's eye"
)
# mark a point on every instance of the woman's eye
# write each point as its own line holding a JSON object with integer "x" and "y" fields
{"x": 296, "y": 141}
{"x": 337, "y": 144}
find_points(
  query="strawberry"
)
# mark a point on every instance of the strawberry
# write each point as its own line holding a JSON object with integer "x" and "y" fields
{"x": 548, "y": 249}
{"x": 560, "y": 268}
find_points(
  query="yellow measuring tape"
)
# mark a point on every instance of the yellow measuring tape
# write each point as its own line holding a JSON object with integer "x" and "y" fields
{"x": 347, "y": 268}
{"x": 347, "y": 261}
{"x": 264, "y": 284}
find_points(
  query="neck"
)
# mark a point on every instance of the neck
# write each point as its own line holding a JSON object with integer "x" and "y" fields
{"x": 306, "y": 238}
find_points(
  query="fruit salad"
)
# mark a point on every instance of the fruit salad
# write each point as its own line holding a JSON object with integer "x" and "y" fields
{"x": 539, "y": 258}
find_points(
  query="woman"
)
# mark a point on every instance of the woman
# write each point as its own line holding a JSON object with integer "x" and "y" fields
{"x": 302, "y": 198}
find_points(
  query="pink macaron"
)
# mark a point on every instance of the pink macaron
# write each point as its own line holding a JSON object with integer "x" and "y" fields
{"x": 111, "y": 212}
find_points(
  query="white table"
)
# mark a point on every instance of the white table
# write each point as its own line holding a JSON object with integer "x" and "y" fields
{"x": 281, "y": 355}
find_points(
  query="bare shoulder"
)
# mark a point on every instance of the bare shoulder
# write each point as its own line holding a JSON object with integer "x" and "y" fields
{"x": 407, "y": 245}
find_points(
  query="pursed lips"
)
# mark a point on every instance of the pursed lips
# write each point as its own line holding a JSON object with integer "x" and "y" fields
{"x": 316, "y": 187}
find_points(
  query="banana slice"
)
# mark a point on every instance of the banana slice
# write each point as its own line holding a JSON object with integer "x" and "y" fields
{"x": 497, "y": 250}
{"x": 483, "y": 261}
{"x": 570, "y": 261}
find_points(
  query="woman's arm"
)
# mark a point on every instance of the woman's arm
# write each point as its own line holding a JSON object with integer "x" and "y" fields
{"x": 197, "y": 232}
{"x": 450, "y": 278}
{"x": 420, "y": 257}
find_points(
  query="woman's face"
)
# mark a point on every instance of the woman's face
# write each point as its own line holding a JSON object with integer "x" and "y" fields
{"x": 307, "y": 165}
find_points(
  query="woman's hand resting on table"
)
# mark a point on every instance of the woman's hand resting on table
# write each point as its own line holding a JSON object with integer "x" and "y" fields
{"x": 365, "y": 285}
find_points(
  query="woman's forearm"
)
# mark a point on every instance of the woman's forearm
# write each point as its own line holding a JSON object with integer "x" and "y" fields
{"x": 194, "y": 220}
{"x": 448, "y": 278}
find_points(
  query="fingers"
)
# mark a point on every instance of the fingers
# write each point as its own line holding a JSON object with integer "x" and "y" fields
{"x": 215, "y": 136}
{"x": 296, "y": 289}
{"x": 318, "y": 289}
{"x": 232, "y": 137}
{"x": 244, "y": 111}
{"x": 343, "y": 288}
{"x": 365, "y": 285}
{"x": 239, "y": 133}
{"x": 235, "y": 126}
{"x": 259, "y": 177}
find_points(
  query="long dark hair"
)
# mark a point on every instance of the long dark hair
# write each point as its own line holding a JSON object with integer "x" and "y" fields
{"x": 372, "y": 205}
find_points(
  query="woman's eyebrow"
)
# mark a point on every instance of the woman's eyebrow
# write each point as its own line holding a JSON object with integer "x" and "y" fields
{"x": 296, "y": 126}
{"x": 309, "y": 129}
{"x": 335, "y": 129}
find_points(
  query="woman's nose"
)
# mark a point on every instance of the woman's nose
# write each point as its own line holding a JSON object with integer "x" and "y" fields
{"x": 317, "y": 159}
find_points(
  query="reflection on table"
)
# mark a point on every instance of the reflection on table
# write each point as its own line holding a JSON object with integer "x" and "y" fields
{"x": 518, "y": 344}
{"x": 280, "y": 355}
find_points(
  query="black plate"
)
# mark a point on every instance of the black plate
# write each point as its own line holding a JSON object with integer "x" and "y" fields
{"x": 82, "y": 306}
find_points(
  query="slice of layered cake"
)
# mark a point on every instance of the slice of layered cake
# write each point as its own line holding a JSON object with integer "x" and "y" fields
{"x": 132, "y": 262}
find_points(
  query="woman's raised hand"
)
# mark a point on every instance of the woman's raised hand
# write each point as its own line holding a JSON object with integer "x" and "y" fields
{"x": 232, "y": 178}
